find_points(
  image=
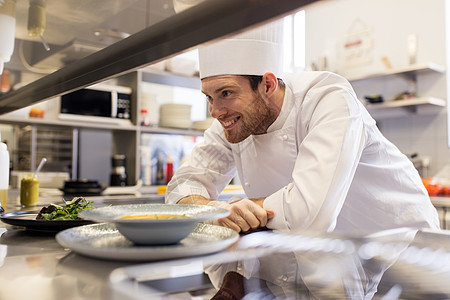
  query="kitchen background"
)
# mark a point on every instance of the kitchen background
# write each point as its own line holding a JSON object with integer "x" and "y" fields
{"x": 355, "y": 38}
{"x": 384, "y": 27}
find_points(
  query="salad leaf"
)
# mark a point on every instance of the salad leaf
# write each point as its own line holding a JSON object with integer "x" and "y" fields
{"x": 68, "y": 212}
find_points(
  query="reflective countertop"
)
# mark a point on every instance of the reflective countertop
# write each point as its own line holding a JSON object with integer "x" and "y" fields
{"x": 34, "y": 266}
{"x": 395, "y": 264}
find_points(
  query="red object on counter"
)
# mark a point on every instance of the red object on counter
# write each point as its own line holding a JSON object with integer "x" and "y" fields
{"x": 169, "y": 169}
{"x": 434, "y": 188}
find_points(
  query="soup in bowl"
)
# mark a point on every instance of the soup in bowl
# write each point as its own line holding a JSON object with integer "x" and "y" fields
{"x": 155, "y": 224}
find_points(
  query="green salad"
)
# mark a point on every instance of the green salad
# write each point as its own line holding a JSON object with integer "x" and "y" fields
{"x": 68, "y": 212}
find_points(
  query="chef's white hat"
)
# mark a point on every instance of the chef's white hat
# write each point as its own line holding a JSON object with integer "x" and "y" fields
{"x": 252, "y": 52}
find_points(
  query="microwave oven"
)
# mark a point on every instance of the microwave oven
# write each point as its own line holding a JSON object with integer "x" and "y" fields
{"x": 98, "y": 103}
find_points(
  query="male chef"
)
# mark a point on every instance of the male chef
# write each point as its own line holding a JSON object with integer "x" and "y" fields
{"x": 307, "y": 152}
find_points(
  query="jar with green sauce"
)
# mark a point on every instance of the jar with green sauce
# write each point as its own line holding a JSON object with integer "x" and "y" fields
{"x": 29, "y": 190}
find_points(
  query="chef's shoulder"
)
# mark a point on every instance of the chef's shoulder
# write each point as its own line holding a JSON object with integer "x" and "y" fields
{"x": 309, "y": 81}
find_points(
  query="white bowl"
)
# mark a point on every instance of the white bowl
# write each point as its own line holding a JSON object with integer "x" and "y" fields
{"x": 155, "y": 231}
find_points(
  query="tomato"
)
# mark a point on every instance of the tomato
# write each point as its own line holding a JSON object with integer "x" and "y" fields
{"x": 432, "y": 187}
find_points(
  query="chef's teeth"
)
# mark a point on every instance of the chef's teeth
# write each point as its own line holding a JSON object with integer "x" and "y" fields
{"x": 229, "y": 123}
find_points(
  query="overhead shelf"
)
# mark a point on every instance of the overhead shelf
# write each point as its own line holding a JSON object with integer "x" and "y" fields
{"x": 410, "y": 70}
{"x": 64, "y": 123}
{"x": 171, "y": 79}
{"x": 74, "y": 124}
{"x": 204, "y": 22}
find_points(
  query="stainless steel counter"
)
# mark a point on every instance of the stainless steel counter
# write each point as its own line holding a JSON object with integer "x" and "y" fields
{"x": 400, "y": 264}
{"x": 34, "y": 266}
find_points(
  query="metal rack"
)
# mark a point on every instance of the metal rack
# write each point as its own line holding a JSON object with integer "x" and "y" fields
{"x": 55, "y": 144}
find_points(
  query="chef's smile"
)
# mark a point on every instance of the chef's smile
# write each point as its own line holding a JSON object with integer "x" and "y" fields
{"x": 229, "y": 123}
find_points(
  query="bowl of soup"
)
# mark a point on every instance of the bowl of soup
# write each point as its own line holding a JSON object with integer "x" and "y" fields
{"x": 155, "y": 224}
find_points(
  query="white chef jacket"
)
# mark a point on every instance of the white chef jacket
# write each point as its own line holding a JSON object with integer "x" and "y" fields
{"x": 323, "y": 165}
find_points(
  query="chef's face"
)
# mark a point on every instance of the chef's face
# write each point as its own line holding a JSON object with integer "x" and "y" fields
{"x": 241, "y": 110}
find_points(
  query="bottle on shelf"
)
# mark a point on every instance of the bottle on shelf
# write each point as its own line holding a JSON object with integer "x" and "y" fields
{"x": 144, "y": 117}
{"x": 118, "y": 175}
{"x": 169, "y": 169}
{"x": 160, "y": 169}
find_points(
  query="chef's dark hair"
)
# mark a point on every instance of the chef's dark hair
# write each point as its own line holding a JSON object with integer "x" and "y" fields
{"x": 255, "y": 80}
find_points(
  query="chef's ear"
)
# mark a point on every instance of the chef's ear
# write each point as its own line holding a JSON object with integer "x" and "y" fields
{"x": 269, "y": 83}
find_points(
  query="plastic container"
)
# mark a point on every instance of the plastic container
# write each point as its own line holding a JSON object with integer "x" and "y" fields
{"x": 7, "y": 30}
{"x": 4, "y": 174}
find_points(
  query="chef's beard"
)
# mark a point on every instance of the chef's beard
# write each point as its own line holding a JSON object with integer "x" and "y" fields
{"x": 255, "y": 119}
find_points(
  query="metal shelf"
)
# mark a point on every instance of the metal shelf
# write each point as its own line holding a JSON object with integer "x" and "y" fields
{"x": 142, "y": 129}
{"x": 202, "y": 23}
{"x": 165, "y": 130}
{"x": 72, "y": 124}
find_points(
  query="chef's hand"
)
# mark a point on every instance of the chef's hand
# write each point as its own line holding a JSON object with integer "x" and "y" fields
{"x": 245, "y": 214}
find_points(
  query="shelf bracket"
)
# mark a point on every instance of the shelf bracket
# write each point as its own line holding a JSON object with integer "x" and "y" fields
{"x": 411, "y": 77}
{"x": 412, "y": 109}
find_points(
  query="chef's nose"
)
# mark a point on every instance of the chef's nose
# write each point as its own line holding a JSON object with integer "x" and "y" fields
{"x": 216, "y": 109}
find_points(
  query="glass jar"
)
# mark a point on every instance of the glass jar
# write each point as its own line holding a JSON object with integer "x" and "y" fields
{"x": 29, "y": 190}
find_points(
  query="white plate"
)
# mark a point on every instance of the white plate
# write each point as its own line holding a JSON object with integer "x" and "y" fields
{"x": 175, "y": 106}
{"x": 105, "y": 242}
{"x": 202, "y": 125}
{"x": 175, "y": 123}
{"x": 155, "y": 231}
{"x": 199, "y": 213}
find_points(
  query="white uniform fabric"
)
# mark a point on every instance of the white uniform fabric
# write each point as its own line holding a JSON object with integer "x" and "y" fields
{"x": 323, "y": 165}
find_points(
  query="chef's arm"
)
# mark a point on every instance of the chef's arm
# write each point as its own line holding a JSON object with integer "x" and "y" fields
{"x": 194, "y": 199}
{"x": 259, "y": 201}
{"x": 206, "y": 172}
{"x": 200, "y": 200}
{"x": 245, "y": 214}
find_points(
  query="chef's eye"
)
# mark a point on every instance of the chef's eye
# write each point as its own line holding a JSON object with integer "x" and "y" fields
{"x": 209, "y": 99}
{"x": 226, "y": 93}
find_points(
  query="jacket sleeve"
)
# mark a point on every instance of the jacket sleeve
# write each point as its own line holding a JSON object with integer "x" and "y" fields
{"x": 209, "y": 168}
{"x": 331, "y": 131}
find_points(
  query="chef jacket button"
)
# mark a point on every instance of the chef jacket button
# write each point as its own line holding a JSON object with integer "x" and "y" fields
{"x": 239, "y": 267}
{"x": 284, "y": 278}
{"x": 247, "y": 184}
{"x": 285, "y": 137}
